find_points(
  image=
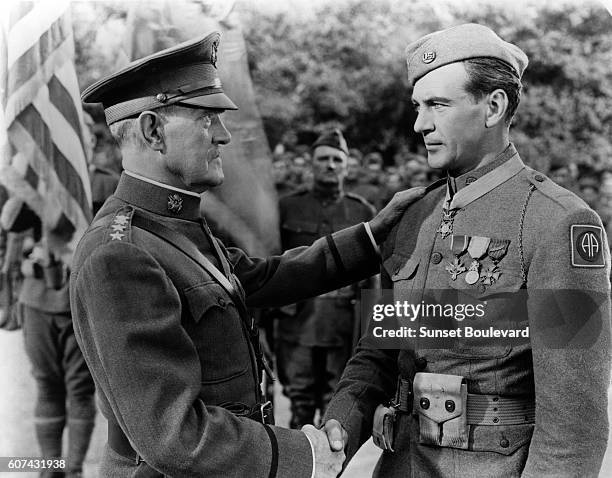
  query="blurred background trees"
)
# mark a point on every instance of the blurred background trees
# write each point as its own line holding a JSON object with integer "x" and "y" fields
{"x": 342, "y": 63}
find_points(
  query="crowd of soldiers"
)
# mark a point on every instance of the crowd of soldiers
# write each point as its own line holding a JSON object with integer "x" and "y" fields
{"x": 377, "y": 180}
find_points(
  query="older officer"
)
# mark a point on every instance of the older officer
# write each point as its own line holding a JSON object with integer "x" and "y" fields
{"x": 159, "y": 303}
{"x": 315, "y": 337}
{"x": 533, "y": 408}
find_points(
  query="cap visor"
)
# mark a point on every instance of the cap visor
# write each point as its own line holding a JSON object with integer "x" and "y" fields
{"x": 216, "y": 101}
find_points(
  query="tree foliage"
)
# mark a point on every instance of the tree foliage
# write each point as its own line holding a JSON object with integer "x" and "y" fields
{"x": 346, "y": 66}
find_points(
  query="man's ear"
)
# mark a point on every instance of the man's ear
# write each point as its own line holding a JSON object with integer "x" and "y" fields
{"x": 151, "y": 129}
{"x": 497, "y": 106}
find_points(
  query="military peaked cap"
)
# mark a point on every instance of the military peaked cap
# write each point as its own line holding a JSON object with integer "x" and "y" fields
{"x": 333, "y": 139}
{"x": 186, "y": 73}
{"x": 460, "y": 43}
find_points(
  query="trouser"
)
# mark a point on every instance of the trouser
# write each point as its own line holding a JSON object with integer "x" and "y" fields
{"x": 309, "y": 376}
{"x": 65, "y": 389}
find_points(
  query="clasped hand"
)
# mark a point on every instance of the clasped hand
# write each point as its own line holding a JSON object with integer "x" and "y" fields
{"x": 328, "y": 446}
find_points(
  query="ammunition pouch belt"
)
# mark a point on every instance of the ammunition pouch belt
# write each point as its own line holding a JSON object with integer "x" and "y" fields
{"x": 446, "y": 410}
{"x": 262, "y": 413}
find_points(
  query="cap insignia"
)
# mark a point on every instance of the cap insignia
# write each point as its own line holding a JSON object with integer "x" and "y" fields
{"x": 175, "y": 203}
{"x": 429, "y": 56}
{"x": 213, "y": 53}
{"x": 161, "y": 97}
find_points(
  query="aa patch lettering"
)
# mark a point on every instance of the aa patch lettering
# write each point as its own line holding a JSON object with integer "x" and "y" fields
{"x": 587, "y": 246}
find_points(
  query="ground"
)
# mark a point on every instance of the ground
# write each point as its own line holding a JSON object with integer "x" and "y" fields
{"x": 17, "y": 394}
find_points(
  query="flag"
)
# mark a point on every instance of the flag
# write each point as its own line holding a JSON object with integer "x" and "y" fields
{"x": 42, "y": 129}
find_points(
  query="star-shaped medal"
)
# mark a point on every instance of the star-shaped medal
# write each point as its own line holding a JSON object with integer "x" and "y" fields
{"x": 116, "y": 236}
{"x": 118, "y": 227}
{"x": 455, "y": 268}
{"x": 491, "y": 275}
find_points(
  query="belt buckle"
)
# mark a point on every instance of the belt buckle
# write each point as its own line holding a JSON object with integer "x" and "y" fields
{"x": 267, "y": 413}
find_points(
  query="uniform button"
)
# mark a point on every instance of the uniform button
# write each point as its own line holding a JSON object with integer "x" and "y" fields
{"x": 539, "y": 178}
{"x": 450, "y": 406}
{"x": 469, "y": 180}
{"x": 481, "y": 288}
{"x": 421, "y": 363}
{"x": 424, "y": 402}
{"x": 436, "y": 258}
{"x": 495, "y": 420}
{"x": 221, "y": 301}
{"x": 504, "y": 443}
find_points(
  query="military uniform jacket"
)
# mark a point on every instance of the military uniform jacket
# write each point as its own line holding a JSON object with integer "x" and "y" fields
{"x": 304, "y": 217}
{"x": 564, "y": 366}
{"x": 165, "y": 343}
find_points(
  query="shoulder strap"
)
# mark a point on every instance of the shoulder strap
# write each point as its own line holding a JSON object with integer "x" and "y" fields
{"x": 188, "y": 248}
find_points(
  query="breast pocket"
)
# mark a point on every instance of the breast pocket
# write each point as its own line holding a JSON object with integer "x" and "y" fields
{"x": 402, "y": 271}
{"x": 215, "y": 327}
{"x": 297, "y": 233}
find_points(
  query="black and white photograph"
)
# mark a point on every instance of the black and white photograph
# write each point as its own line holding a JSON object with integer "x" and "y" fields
{"x": 305, "y": 238}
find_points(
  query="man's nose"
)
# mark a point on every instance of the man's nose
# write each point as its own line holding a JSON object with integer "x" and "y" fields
{"x": 331, "y": 164}
{"x": 423, "y": 123}
{"x": 220, "y": 133}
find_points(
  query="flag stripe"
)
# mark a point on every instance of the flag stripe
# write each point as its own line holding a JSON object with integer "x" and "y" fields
{"x": 32, "y": 122}
{"x": 61, "y": 99}
{"x": 26, "y": 32}
{"x": 28, "y": 64}
{"x": 20, "y": 10}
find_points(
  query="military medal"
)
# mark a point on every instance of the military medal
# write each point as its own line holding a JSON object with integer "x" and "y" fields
{"x": 473, "y": 273}
{"x": 455, "y": 268}
{"x": 446, "y": 226}
{"x": 498, "y": 249}
{"x": 458, "y": 246}
{"x": 491, "y": 275}
{"x": 477, "y": 248}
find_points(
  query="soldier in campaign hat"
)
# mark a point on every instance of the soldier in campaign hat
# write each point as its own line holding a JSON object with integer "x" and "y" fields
{"x": 160, "y": 305}
{"x": 498, "y": 235}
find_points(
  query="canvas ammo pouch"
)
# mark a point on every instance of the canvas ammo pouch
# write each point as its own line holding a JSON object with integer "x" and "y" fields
{"x": 440, "y": 402}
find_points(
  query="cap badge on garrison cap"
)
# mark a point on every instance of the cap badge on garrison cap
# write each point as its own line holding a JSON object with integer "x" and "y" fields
{"x": 213, "y": 53}
{"x": 429, "y": 56}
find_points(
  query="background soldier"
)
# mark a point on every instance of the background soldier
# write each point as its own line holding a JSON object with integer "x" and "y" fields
{"x": 65, "y": 389}
{"x": 316, "y": 336}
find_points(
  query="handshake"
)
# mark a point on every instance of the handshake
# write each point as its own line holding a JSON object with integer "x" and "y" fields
{"x": 328, "y": 444}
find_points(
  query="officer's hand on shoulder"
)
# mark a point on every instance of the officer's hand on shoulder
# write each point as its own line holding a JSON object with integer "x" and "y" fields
{"x": 384, "y": 221}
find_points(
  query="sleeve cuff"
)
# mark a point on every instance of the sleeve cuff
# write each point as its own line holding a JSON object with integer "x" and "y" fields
{"x": 313, "y": 456}
{"x": 371, "y": 236}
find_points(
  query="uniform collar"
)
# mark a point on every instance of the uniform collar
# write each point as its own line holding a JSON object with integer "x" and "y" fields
{"x": 457, "y": 184}
{"x": 326, "y": 193}
{"x": 158, "y": 198}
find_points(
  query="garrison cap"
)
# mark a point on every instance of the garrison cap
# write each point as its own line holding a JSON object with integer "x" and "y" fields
{"x": 333, "y": 139}
{"x": 185, "y": 73}
{"x": 459, "y": 43}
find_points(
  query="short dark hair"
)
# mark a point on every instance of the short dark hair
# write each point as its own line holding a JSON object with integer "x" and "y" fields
{"x": 489, "y": 74}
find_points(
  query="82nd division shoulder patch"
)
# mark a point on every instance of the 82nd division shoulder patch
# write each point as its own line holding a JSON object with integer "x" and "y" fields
{"x": 587, "y": 246}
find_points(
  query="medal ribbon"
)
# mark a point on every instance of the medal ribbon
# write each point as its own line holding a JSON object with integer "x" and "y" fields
{"x": 478, "y": 246}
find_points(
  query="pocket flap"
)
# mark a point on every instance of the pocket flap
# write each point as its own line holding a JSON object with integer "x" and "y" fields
{"x": 401, "y": 268}
{"x": 439, "y": 397}
{"x": 202, "y": 297}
